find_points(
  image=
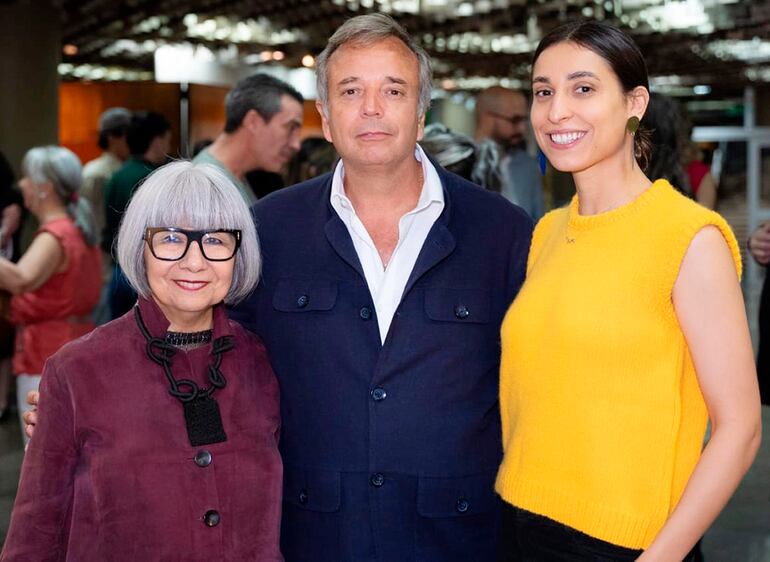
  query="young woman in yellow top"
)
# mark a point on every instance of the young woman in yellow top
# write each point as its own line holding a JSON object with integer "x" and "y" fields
{"x": 627, "y": 336}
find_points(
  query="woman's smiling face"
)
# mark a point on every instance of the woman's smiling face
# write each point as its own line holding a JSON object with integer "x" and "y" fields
{"x": 579, "y": 109}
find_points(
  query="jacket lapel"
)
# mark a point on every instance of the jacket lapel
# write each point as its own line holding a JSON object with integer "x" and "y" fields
{"x": 337, "y": 233}
{"x": 440, "y": 242}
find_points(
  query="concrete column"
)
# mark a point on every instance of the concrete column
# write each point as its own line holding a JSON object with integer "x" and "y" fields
{"x": 30, "y": 51}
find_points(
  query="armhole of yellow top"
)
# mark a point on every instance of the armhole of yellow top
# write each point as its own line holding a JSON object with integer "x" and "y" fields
{"x": 697, "y": 222}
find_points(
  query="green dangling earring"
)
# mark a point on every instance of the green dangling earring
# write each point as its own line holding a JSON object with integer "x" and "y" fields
{"x": 632, "y": 125}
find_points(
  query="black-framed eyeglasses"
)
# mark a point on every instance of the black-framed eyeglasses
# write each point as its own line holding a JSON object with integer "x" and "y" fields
{"x": 171, "y": 244}
{"x": 512, "y": 119}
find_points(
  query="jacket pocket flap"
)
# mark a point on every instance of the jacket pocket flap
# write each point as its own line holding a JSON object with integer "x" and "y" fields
{"x": 295, "y": 295}
{"x": 456, "y": 497}
{"x": 457, "y": 305}
{"x": 314, "y": 490}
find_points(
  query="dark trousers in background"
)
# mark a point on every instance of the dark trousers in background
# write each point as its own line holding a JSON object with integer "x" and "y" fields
{"x": 121, "y": 296}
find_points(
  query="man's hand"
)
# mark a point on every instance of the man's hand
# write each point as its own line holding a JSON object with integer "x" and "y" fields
{"x": 759, "y": 244}
{"x": 30, "y": 417}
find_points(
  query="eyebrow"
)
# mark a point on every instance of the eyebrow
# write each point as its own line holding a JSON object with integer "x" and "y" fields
{"x": 572, "y": 76}
{"x": 582, "y": 74}
{"x": 391, "y": 79}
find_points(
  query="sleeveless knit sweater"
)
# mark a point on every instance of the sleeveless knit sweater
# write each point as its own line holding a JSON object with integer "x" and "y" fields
{"x": 603, "y": 418}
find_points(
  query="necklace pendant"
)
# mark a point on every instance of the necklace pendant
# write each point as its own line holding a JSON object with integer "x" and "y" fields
{"x": 204, "y": 423}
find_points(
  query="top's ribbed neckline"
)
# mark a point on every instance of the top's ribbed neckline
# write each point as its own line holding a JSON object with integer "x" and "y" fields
{"x": 578, "y": 221}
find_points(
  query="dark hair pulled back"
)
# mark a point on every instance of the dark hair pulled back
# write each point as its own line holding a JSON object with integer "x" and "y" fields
{"x": 620, "y": 52}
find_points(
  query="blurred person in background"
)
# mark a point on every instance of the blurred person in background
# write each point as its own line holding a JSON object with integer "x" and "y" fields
{"x": 149, "y": 140}
{"x": 665, "y": 121}
{"x": 158, "y": 432}
{"x": 56, "y": 282}
{"x": 502, "y": 117}
{"x": 702, "y": 182}
{"x": 11, "y": 213}
{"x": 454, "y": 152}
{"x": 674, "y": 155}
{"x": 113, "y": 124}
{"x": 316, "y": 156}
{"x": 263, "y": 118}
{"x": 759, "y": 247}
{"x": 200, "y": 145}
{"x": 486, "y": 170}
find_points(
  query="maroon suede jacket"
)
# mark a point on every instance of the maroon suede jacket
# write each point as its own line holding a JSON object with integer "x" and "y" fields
{"x": 111, "y": 475}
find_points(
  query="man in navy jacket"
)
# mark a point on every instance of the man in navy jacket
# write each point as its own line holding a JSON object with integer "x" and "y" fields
{"x": 384, "y": 287}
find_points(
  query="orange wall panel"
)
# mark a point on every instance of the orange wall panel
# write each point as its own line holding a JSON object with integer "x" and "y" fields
{"x": 81, "y": 103}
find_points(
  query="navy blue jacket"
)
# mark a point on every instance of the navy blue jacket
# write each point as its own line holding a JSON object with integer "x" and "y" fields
{"x": 390, "y": 451}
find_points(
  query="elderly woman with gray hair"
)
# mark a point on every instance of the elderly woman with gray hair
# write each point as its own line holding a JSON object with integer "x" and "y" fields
{"x": 157, "y": 434}
{"x": 56, "y": 282}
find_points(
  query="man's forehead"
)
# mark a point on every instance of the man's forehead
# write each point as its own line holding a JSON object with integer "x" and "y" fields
{"x": 358, "y": 54}
{"x": 514, "y": 101}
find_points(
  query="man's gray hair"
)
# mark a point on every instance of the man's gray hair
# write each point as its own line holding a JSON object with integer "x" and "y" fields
{"x": 260, "y": 92}
{"x": 369, "y": 29}
{"x": 195, "y": 196}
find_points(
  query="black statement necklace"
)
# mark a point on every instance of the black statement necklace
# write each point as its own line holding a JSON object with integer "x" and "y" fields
{"x": 187, "y": 339}
{"x": 201, "y": 411}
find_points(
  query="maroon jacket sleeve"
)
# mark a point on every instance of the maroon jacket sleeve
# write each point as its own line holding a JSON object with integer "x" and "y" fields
{"x": 40, "y": 519}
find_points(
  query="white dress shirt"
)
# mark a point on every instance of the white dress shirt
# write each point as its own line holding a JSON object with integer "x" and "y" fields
{"x": 386, "y": 284}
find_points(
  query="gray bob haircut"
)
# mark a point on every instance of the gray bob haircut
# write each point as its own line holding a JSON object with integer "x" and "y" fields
{"x": 366, "y": 30}
{"x": 194, "y": 196}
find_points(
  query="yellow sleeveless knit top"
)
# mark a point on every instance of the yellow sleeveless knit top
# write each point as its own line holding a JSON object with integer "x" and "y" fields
{"x": 603, "y": 419}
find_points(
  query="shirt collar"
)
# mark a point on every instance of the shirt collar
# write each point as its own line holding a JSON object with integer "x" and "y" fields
{"x": 432, "y": 191}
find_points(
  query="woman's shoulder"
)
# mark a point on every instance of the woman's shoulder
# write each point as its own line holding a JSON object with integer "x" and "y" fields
{"x": 682, "y": 210}
{"x": 682, "y": 218}
{"x": 63, "y": 226}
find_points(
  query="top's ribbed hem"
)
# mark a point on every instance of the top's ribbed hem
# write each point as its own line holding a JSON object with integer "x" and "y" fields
{"x": 589, "y": 516}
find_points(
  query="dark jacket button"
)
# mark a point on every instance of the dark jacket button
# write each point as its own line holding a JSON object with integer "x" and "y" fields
{"x": 462, "y": 505}
{"x": 303, "y": 301}
{"x": 365, "y": 313}
{"x": 461, "y": 311}
{"x": 203, "y": 458}
{"x": 377, "y": 479}
{"x": 379, "y": 394}
{"x": 211, "y": 518}
{"x": 303, "y": 497}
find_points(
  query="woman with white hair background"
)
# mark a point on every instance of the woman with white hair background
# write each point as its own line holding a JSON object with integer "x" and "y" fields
{"x": 157, "y": 433}
{"x": 56, "y": 282}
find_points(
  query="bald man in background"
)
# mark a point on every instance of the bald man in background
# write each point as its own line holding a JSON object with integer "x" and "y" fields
{"x": 502, "y": 116}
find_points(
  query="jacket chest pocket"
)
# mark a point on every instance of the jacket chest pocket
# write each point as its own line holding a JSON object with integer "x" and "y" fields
{"x": 467, "y": 306}
{"x": 300, "y": 296}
